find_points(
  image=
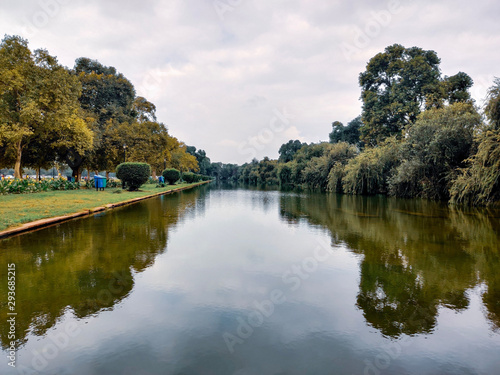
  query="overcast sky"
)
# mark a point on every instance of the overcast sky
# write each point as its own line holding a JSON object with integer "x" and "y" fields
{"x": 238, "y": 78}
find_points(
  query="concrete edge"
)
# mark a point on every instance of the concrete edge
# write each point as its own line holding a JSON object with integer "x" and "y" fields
{"x": 43, "y": 223}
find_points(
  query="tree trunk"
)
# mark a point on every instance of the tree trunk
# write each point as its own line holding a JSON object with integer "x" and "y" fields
{"x": 74, "y": 161}
{"x": 38, "y": 174}
{"x": 17, "y": 167}
{"x": 154, "y": 174}
{"x": 107, "y": 175}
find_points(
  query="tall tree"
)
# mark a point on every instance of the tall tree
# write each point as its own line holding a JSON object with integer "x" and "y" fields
{"x": 395, "y": 87}
{"x": 108, "y": 97}
{"x": 143, "y": 110}
{"x": 401, "y": 82}
{"x": 38, "y": 100}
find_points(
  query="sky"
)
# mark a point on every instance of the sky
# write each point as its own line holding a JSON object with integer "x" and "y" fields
{"x": 238, "y": 78}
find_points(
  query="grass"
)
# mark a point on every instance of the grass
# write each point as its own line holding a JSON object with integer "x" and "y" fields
{"x": 17, "y": 209}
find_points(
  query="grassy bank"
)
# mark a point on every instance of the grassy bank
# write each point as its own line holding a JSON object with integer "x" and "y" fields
{"x": 17, "y": 209}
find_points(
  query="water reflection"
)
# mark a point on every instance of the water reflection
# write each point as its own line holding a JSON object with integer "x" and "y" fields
{"x": 88, "y": 267}
{"x": 416, "y": 255}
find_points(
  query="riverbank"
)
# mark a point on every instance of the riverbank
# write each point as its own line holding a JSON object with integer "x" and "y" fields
{"x": 24, "y": 212}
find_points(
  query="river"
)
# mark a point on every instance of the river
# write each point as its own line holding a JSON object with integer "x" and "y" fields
{"x": 247, "y": 281}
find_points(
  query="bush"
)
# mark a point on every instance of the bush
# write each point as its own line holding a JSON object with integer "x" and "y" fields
{"x": 26, "y": 186}
{"x": 370, "y": 171}
{"x": 190, "y": 177}
{"x": 133, "y": 175}
{"x": 434, "y": 147}
{"x": 171, "y": 175}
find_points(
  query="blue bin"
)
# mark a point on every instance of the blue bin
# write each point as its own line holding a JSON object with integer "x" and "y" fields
{"x": 100, "y": 182}
{"x": 161, "y": 180}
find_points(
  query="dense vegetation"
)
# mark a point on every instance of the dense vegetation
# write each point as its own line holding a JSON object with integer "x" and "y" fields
{"x": 88, "y": 117}
{"x": 419, "y": 135}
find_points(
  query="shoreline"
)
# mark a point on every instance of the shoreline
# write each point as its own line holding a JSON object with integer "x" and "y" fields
{"x": 43, "y": 223}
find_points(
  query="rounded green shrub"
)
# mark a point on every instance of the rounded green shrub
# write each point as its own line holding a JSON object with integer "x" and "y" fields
{"x": 133, "y": 175}
{"x": 189, "y": 177}
{"x": 171, "y": 175}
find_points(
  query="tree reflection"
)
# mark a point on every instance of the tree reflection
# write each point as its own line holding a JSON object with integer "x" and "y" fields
{"x": 86, "y": 265}
{"x": 416, "y": 255}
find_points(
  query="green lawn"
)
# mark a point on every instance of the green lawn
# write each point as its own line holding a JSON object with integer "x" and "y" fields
{"x": 17, "y": 209}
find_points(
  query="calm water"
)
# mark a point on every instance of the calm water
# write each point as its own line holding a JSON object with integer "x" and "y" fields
{"x": 247, "y": 282}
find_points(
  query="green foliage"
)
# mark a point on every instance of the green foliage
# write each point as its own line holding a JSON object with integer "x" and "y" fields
{"x": 288, "y": 150}
{"x": 368, "y": 173}
{"x": 479, "y": 183}
{"x": 394, "y": 90}
{"x": 27, "y": 185}
{"x": 285, "y": 174}
{"x": 435, "y": 146}
{"x": 190, "y": 177}
{"x": 133, "y": 175}
{"x": 317, "y": 170}
{"x": 202, "y": 159}
{"x": 171, "y": 175}
{"x": 349, "y": 133}
{"x": 335, "y": 177}
{"x": 492, "y": 109}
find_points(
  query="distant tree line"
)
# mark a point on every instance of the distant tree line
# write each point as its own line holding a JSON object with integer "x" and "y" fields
{"x": 87, "y": 117}
{"x": 419, "y": 135}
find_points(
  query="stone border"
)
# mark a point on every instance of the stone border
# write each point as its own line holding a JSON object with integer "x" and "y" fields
{"x": 42, "y": 223}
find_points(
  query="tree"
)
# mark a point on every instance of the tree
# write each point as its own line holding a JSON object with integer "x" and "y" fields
{"x": 38, "y": 101}
{"x": 479, "y": 182}
{"x": 349, "y": 133}
{"x": 201, "y": 158}
{"x": 492, "y": 109}
{"x": 108, "y": 97}
{"x": 288, "y": 150}
{"x": 182, "y": 160}
{"x": 457, "y": 88}
{"x": 395, "y": 87}
{"x": 436, "y": 145}
{"x": 143, "y": 111}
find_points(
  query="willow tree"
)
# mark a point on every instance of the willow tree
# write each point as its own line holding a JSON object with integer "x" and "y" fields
{"x": 38, "y": 100}
{"x": 479, "y": 183}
